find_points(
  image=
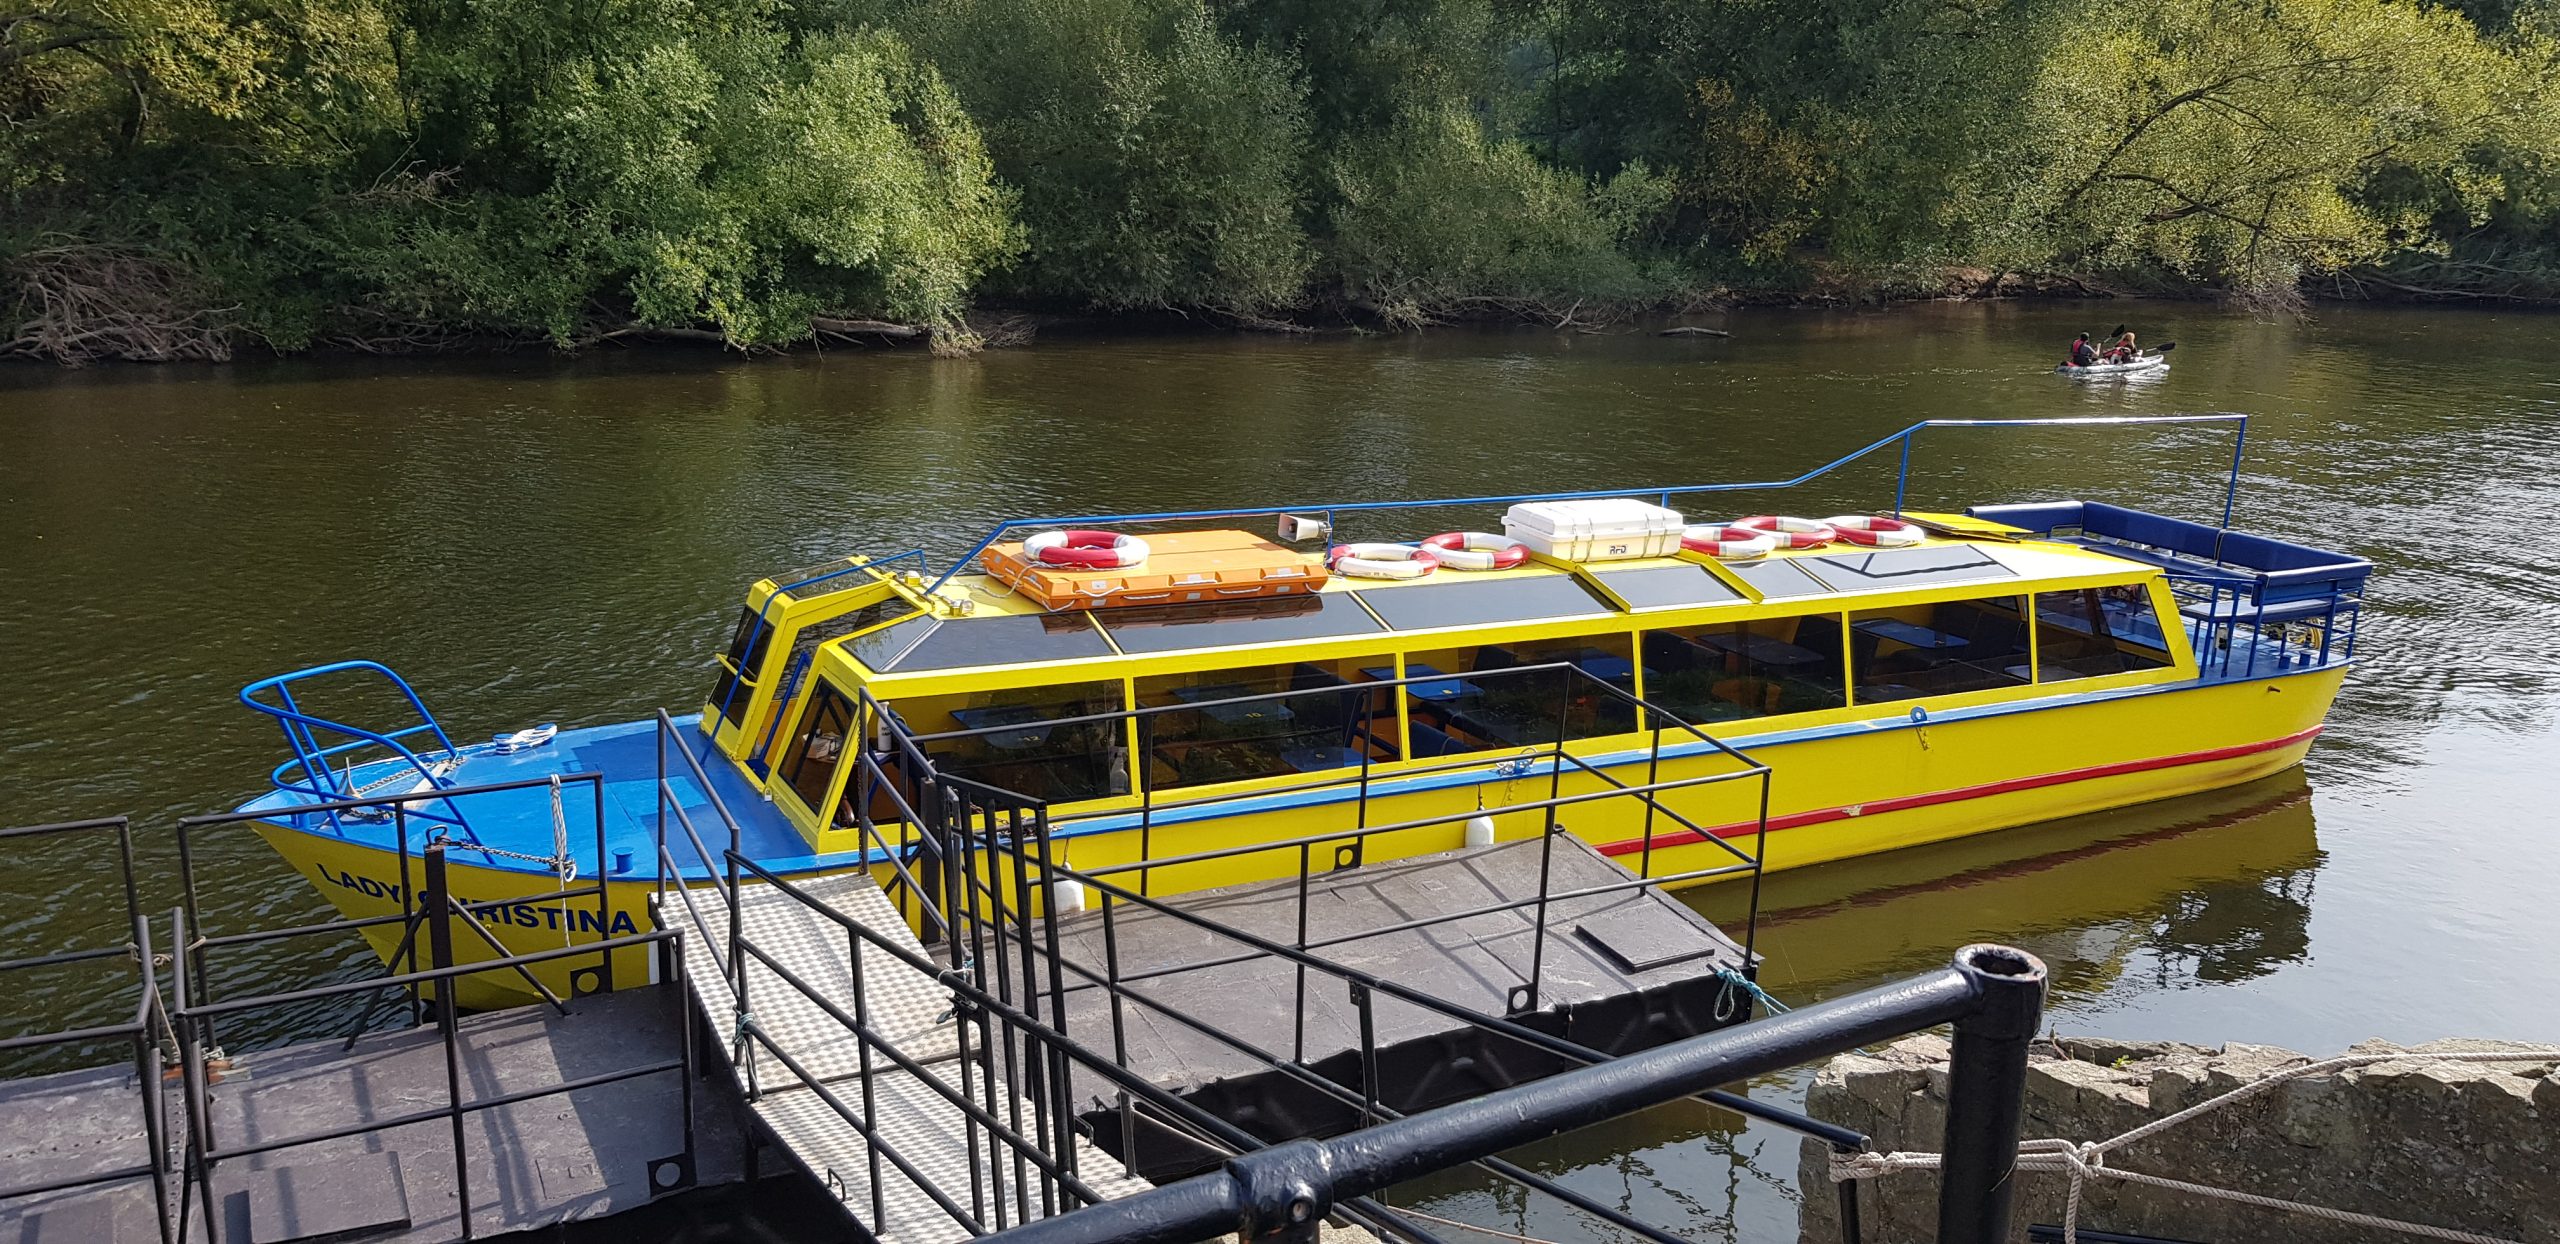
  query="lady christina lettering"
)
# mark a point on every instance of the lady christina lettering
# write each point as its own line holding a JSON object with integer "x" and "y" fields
{"x": 534, "y": 914}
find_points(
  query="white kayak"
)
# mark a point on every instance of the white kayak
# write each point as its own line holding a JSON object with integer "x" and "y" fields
{"x": 2146, "y": 365}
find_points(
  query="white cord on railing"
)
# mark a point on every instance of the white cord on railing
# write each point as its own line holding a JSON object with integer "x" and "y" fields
{"x": 2087, "y": 1160}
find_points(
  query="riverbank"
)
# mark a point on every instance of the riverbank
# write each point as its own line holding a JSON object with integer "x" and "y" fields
{"x": 171, "y": 334}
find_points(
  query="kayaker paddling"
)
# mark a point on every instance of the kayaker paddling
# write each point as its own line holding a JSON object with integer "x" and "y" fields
{"x": 2082, "y": 353}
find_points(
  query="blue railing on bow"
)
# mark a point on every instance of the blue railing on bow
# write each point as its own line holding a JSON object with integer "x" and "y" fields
{"x": 328, "y": 755}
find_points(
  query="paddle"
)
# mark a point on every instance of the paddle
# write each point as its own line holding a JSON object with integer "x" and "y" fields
{"x": 2162, "y": 348}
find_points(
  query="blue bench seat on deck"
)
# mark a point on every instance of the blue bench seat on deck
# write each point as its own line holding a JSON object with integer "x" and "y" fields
{"x": 2273, "y": 570}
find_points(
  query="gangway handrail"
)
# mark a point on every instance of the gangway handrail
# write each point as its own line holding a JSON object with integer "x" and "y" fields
{"x": 1901, "y": 484}
{"x": 311, "y": 757}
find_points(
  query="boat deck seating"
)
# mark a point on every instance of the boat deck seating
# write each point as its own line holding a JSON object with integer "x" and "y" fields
{"x": 2269, "y": 571}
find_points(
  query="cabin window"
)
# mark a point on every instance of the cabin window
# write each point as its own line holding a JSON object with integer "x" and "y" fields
{"x": 1657, "y": 587}
{"x": 998, "y": 639}
{"x": 1322, "y": 719}
{"x": 1955, "y": 646}
{"x": 1740, "y": 670}
{"x": 1906, "y": 567}
{"x": 737, "y": 682}
{"x": 2099, "y": 630}
{"x": 1455, "y": 599}
{"x": 1490, "y": 702}
{"x": 817, "y": 747}
{"x": 1013, "y": 739}
{"x": 1777, "y": 577}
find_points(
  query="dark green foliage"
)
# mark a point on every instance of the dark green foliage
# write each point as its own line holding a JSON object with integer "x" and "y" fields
{"x": 397, "y": 173}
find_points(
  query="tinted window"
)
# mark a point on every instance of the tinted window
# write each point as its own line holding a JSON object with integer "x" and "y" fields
{"x": 2097, "y": 631}
{"x": 1324, "y": 719}
{"x": 959, "y": 642}
{"x": 1907, "y": 567}
{"x": 1492, "y": 598}
{"x": 1776, "y": 577}
{"x": 1942, "y": 649}
{"x": 882, "y": 647}
{"x": 1738, "y": 670}
{"x": 1168, "y": 628}
{"x": 1656, "y": 586}
{"x": 810, "y": 766}
{"x": 740, "y": 665}
{"x": 1013, "y": 741}
{"x": 1496, "y": 700}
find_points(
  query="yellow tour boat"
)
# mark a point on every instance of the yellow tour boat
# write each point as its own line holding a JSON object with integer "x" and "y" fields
{"x": 1905, "y": 677}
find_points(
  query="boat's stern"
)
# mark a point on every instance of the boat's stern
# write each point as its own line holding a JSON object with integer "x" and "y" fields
{"x": 2253, "y": 605}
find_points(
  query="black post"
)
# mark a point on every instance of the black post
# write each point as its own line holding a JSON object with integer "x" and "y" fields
{"x": 439, "y": 905}
{"x": 1986, "y": 1088}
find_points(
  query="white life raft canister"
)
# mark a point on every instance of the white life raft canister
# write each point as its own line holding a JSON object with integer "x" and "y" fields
{"x": 1093, "y": 550}
{"x": 1792, "y": 533}
{"x": 1476, "y": 550}
{"x": 1732, "y": 544}
{"x": 1384, "y": 561}
{"x": 1876, "y": 531}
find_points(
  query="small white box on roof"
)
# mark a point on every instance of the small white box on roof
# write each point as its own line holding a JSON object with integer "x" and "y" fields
{"x": 1597, "y": 530}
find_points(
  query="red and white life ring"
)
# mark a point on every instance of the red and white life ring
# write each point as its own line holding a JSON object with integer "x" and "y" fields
{"x": 1732, "y": 544}
{"x": 1089, "y": 550}
{"x": 1792, "y": 533}
{"x": 1876, "y": 531}
{"x": 1476, "y": 550}
{"x": 1384, "y": 561}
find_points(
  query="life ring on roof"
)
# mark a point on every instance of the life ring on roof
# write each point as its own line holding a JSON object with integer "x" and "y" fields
{"x": 1732, "y": 544}
{"x": 1091, "y": 550}
{"x": 1384, "y": 561}
{"x": 1876, "y": 531}
{"x": 1476, "y": 550}
{"x": 1792, "y": 533}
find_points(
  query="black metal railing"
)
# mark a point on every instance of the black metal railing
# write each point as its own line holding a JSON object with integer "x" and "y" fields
{"x": 428, "y": 966}
{"x": 408, "y": 846}
{"x": 1993, "y": 995}
{"x": 142, "y": 1034}
{"x": 974, "y": 868}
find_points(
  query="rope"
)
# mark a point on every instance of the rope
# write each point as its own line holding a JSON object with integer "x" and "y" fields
{"x": 1469, "y": 1226}
{"x": 1737, "y": 985}
{"x": 2087, "y": 1160}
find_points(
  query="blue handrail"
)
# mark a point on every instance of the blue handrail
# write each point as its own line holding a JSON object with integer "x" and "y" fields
{"x": 1901, "y": 482}
{"x": 308, "y": 772}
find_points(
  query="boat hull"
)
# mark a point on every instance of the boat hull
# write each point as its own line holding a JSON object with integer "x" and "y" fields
{"x": 1835, "y": 793}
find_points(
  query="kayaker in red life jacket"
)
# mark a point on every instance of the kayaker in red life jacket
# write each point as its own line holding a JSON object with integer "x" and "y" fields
{"x": 2082, "y": 353}
{"x": 2124, "y": 350}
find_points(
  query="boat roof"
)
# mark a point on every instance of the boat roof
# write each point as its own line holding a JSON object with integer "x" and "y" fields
{"x": 912, "y": 633}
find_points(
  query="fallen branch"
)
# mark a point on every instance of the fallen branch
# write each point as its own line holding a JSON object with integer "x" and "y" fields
{"x": 1692, "y": 330}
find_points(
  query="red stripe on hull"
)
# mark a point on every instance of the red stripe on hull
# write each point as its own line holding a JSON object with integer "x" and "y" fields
{"x": 1820, "y": 816}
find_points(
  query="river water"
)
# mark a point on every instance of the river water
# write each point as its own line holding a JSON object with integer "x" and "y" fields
{"x": 531, "y": 539}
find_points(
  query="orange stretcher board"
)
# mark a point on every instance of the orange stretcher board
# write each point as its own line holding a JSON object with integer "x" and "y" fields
{"x": 1181, "y": 567}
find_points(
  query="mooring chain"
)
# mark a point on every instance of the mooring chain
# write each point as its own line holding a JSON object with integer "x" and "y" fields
{"x": 2086, "y": 1160}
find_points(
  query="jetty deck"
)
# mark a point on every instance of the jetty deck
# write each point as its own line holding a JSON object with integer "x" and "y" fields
{"x": 1200, "y": 1012}
{"x": 534, "y": 1161}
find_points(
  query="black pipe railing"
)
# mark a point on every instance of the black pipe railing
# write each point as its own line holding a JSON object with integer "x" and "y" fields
{"x": 978, "y": 837}
{"x": 141, "y": 1034}
{"x": 1992, "y": 995}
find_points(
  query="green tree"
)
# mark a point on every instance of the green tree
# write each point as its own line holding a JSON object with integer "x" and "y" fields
{"x": 1158, "y": 160}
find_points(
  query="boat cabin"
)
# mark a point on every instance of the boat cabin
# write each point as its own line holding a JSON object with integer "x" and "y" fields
{"x": 999, "y": 687}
